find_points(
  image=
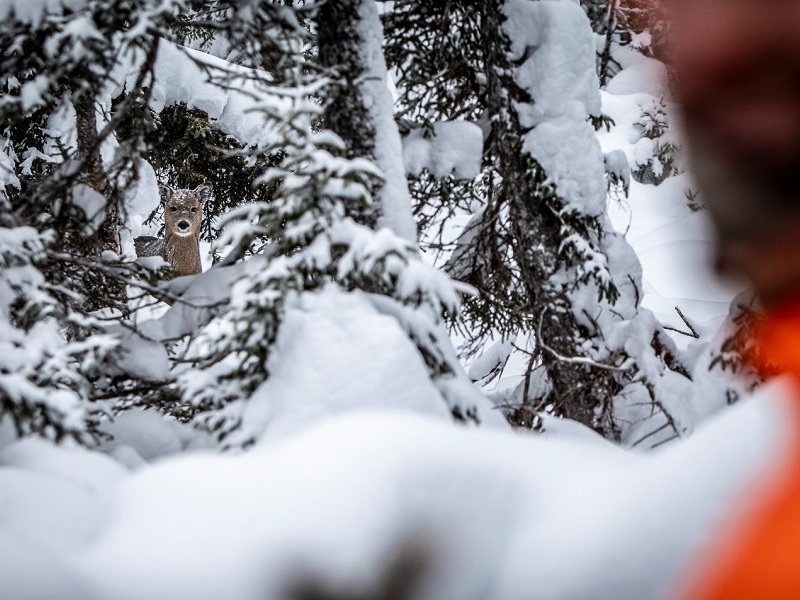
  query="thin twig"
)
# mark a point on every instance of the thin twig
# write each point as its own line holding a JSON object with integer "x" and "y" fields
{"x": 676, "y": 330}
{"x": 651, "y": 434}
{"x": 576, "y": 360}
{"x": 693, "y": 333}
{"x": 666, "y": 441}
{"x": 636, "y": 289}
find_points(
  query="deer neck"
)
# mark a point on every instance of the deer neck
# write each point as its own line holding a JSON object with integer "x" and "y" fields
{"x": 183, "y": 253}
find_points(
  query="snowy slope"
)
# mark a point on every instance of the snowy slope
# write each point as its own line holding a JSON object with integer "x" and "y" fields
{"x": 673, "y": 243}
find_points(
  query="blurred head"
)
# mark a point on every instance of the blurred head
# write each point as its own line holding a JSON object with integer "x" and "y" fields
{"x": 737, "y": 76}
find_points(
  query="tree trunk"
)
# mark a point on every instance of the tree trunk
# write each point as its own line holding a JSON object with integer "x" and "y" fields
{"x": 360, "y": 107}
{"x": 106, "y": 290}
{"x": 107, "y": 235}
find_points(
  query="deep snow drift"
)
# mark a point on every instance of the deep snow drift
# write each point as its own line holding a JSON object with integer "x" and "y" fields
{"x": 488, "y": 514}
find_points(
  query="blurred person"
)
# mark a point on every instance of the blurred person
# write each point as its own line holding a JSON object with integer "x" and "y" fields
{"x": 737, "y": 77}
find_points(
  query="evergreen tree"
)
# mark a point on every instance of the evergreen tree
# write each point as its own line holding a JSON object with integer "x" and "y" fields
{"x": 622, "y": 23}
{"x": 61, "y": 202}
{"x": 324, "y": 227}
{"x": 313, "y": 195}
{"x": 539, "y": 249}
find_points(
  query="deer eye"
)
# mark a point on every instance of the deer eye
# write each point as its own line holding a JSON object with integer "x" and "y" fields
{"x": 194, "y": 210}
{"x": 173, "y": 208}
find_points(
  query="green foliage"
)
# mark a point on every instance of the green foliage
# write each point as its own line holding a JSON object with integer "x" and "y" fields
{"x": 186, "y": 150}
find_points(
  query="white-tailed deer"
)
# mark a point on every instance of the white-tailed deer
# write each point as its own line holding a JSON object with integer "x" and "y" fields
{"x": 183, "y": 215}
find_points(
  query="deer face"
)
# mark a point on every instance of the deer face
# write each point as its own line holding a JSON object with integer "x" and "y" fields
{"x": 183, "y": 210}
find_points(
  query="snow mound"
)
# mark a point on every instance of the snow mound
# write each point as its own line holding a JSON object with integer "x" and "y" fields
{"x": 488, "y": 514}
{"x": 646, "y": 77}
{"x": 148, "y": 435}
{"x": 455, "y": 148}
{"x": 31, "y": 570}
{"x": 336, "y": 353}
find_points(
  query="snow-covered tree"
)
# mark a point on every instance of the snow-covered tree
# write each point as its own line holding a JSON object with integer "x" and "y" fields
{"x": 636, "y": 23}
{"x": 658, "y": 151}
{"x": 330, "y": 206}
{"x": 61, "y": 203}
{"x": 551, "y": 271}
{"x": 340, "y": 215}
{"x": 45, "y": 378}
{"x": 286, "y": 111}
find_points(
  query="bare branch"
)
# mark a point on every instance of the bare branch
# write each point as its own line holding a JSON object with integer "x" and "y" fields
{"x": 575, "y": 360}
{"x": 693, "y": 333}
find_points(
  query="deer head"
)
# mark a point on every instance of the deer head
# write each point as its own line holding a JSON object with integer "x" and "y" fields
{"x": 183, "y": 211}
{"x": 183, "y": 215}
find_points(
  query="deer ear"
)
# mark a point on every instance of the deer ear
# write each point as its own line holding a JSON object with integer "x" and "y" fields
{"x": 165, "y": 192}
{"x": 203, "y": 193}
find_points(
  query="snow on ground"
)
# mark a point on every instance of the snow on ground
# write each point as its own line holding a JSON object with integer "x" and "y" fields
{"x": 140, "y": 436}
{"x": 676, "y": 249}
{"x": 673, "y": 242}
{"x": 488, "y": 514}
{"x": 335, "y": 353}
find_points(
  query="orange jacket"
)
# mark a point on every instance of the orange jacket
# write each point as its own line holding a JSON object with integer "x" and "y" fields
{"x": 760, "y": 557}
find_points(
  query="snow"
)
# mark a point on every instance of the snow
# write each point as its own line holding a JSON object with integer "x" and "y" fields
{"x": 90, "y": 470}
{"x": 8, "y": 176}
{"x": 183, "y": 75}
{"x": 335, "y": 353}
{"x": 139, "y": 435}
{"x": 55, "y": 495}
{"x": 141, "y": 200}
{"x": 552, "y": 40}
{"x": 673, "y": 243}
{"x": 394, "y": 200}
{"x": 647, "y": 77}
{"x": 62, "y": 132}
{"x": 200, "y": 293}
{"x": 357, "y": 459}
{"x": 141, "y": 357}
{"x": 570, "y": 154}
{"x": 31, "y": 570}
{"x": 32, "y": 92}
{"x": 491, "y": 514}
{"x": 491, "y": 359}
{"x": 454, "y": 148}
{"x": 618, "y": 168}
{"x": 93, "y": 205}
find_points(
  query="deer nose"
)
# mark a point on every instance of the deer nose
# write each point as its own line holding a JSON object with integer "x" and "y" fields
{"x": 183, "y": 225}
